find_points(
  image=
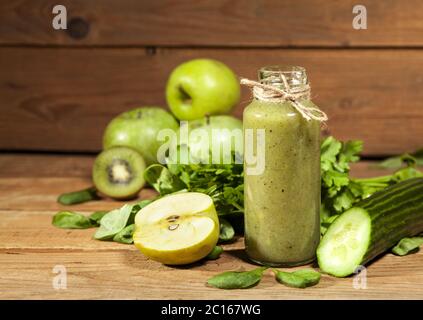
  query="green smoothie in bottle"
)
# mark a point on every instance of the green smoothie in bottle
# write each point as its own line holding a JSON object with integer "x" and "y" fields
{"x": 282, "y": 203}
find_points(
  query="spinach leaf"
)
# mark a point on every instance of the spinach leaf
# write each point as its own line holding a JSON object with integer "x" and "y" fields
{"x": 118, "y": 224}
{"x": 215, "y": 253}
{"x": 237, "y": 279}
{"x": 298, "y": 279}
{"x": 136, "y": 208}
{"x": 407, "y": 245}
{"x": 227, "y": 232}
{"x": 161, "y": 179}
{"x": 144, "y": 203}
{"x": 96, "y": 216}
{"x": 113, "y": 222}
{"x": 78, "y": 196}
{"x": 125, "y": 235}
{"x": 71, "y": 220}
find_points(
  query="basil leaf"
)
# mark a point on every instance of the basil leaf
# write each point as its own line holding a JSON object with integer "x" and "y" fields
{"x": 298, "y": 279}
{"x": 237, "y": 279}
{"x": 113, "y": 222}
{"x": 227, "y": 232}
{"x": 215, "y": 253}
{"x": 160, "y": 178}
{"x": 407, "y": 245}
{"x": 96, "y": 216}
{"x": 78, "y": 196}
{"x": 125, "y": 235}
{"x": 71, "y": 220}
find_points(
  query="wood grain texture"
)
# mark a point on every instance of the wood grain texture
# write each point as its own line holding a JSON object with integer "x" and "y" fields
{"x": 127, "y": 274}
{"x": 223, "y": 23}
{"x": 42, "y": 193}
{"x": 62, "y": 99}
{"x": 45, "y": 165}
{"x": 30, "y": 247}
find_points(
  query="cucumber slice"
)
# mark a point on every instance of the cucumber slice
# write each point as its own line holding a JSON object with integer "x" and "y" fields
{"x": 372, "y": 227}
{"x": 345, "y": 243}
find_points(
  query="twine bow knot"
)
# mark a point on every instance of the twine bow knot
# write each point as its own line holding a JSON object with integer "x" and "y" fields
{"x": 271, "y": 93}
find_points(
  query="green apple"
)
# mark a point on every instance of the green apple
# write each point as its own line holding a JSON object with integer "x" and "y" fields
{"x": 138, "y": 129}
{"x": 222, "y": 132}
{"x": 177, "y": 229}
{"x": 202, "y": 87}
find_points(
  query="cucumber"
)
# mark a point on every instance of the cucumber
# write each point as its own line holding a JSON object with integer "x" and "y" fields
{"x": 372, "y": 227}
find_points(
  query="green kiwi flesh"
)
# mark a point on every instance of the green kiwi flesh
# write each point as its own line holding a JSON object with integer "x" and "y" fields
{"x": 119, "y": 172}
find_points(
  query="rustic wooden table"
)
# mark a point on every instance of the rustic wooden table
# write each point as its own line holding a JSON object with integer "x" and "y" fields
{"x": 30, "y": 248}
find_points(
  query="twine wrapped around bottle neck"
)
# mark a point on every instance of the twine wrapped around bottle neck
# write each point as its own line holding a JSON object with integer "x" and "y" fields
{"x": 271, "y": 93}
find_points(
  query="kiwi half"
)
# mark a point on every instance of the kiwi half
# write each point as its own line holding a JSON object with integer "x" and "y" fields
{"x": 119, "y": 172}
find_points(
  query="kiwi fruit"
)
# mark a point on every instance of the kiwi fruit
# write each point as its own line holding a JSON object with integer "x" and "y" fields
{"x": 119, "y": 172}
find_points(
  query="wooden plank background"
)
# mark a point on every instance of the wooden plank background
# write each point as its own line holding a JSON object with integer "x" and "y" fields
{"x": 58, "y": 89}
{"x": 221, "y": 23}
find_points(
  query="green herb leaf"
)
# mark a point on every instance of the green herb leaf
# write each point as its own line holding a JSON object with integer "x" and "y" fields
{"x": 113, "y": 222}
{"x": 329, "y": 151}
{"x": 406, "y": 173}
{"x": 344, "y": 200}
{"x": 136, "y": 208}
{"x": 96, "y": 216}
{"x": 125, "y": 235}
{"x": 78, "y": 196}
{"x": 391, "y": 163}
{"x": 335, "y": 180}
{"x": 144, "y": 203}
{"x": 298, "y": 279}
{"x": 227, "y": 232}
{"x": 237, "y": 279}
{"x": 215, "y": 253}
{"x": 407, "y": 245}
{"x": 397, "y": 161}
{"x": 161, "y": 179}
{"x": 349, "y": 154}
{"x": 71, "y": 220}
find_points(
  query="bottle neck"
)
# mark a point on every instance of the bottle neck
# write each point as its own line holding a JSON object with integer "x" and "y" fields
{"x": 284, "y": 77}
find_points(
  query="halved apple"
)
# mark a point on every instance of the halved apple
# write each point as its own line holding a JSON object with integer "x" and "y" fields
{"x": 177, "y": 229}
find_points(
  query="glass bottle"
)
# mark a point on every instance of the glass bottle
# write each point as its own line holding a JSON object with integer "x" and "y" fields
{"x": 282, "y": 204}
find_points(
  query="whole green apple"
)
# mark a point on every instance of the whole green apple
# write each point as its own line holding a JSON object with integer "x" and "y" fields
{"x": 209, "y": 134}
{"x": 202, "y": 87}
{"x": 138, "y": 129}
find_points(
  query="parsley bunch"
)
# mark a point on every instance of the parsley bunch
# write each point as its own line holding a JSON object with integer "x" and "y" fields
{"x": 224, "y": 183}
{"x": 339, "y": 191}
